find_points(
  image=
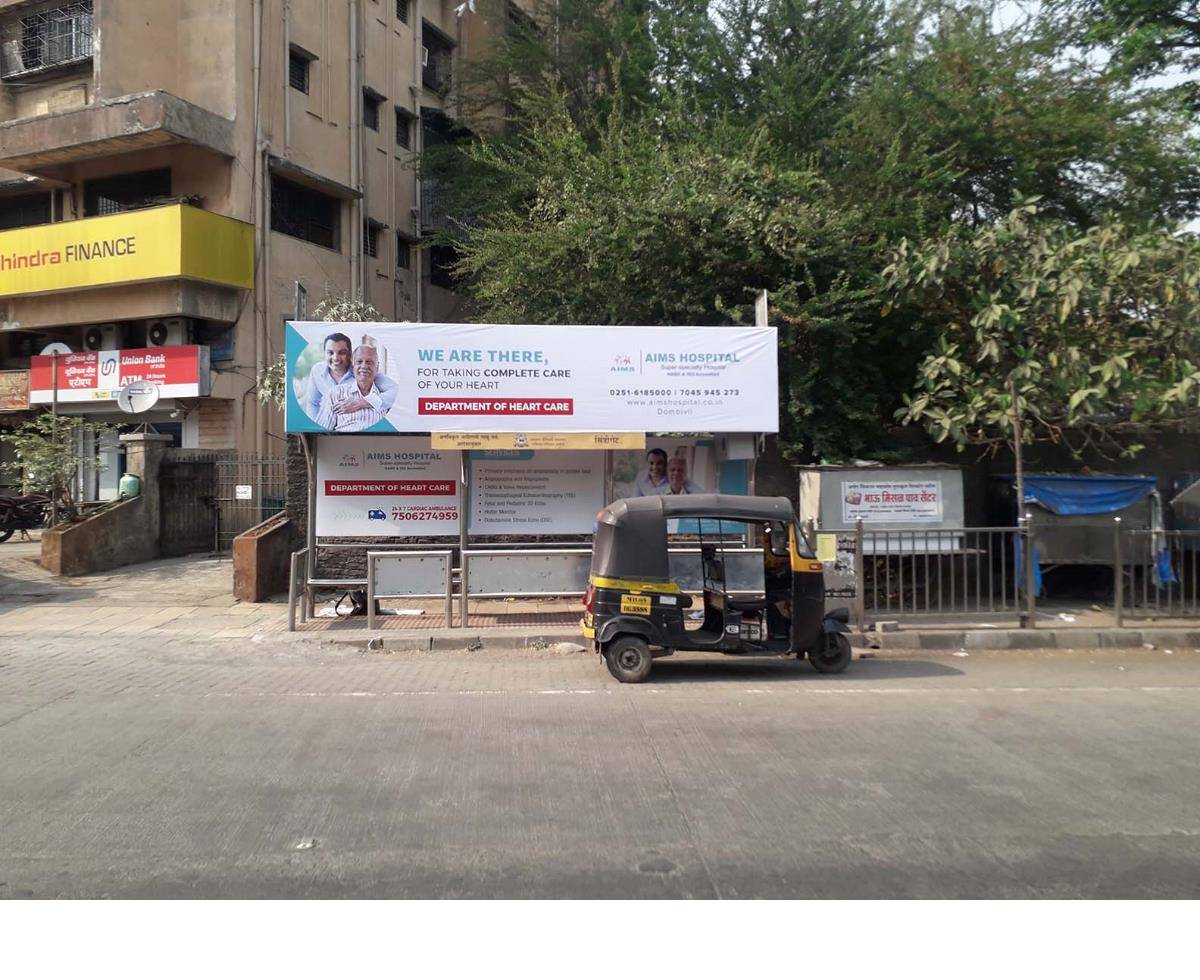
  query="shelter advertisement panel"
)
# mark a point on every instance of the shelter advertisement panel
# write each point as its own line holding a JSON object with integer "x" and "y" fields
{"x": 526, "y": 492}
{"x": 897, "y": 502}
{"x": 386, "y": 487}
{"x": 462, "y": 377}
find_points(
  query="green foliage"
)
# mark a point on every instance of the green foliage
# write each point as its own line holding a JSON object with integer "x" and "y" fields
{"x": 666, "y": 159}
{"x": 47, "y": 454}
{"x": 1144, "y": 37}
{"x": 1097, "y": 333}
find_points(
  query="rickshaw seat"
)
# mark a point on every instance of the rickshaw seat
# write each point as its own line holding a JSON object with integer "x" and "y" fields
{"x": 747, "y": 604}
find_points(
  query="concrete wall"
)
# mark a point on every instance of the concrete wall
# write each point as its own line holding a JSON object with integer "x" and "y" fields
{"x": 262, "y": 560}
{"x": 119, "y": 535}
{"x": 123, "y": 534}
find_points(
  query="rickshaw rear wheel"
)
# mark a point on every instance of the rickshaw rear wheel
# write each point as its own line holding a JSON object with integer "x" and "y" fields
{"x": 628, "y": 659}
{"x": 833, "y": 655}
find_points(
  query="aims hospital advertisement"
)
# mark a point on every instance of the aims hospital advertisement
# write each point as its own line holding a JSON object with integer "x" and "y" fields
{"x": 385, "y": 385}
{"x": 462, "y": 377}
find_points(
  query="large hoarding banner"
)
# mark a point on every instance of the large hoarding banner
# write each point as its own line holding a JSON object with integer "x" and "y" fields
{"x": 898, "y": 502}
{"x": 179, "y": 372}
{"x": 525, "y": 492}
{"x": 460, "y": 377}
{"x": 385, "y": 487}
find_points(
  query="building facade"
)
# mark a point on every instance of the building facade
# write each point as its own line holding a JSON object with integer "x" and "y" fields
{"x": 193, "y": 173}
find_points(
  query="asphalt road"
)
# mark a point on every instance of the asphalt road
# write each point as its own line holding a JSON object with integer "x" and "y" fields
{"x": 280, "y": 769}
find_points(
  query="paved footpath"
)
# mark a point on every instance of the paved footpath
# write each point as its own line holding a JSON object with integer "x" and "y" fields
{"x": 138, "y": 766}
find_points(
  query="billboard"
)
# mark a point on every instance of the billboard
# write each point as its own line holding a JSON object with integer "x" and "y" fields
{"x": 176, "y": 241}
{"x": 461, "y": 377}
{"x": 386, "y": 487}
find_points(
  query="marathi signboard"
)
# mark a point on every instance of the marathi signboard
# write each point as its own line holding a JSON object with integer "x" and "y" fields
{"x": 538, "y": 440}
{"x": 14, "y": 391}
{"x": 459, "y": 377}
{"x": 179, "y": 372}
{"x": 386, "y": 487}
{"x": 523, "y": 492}
{"x": 901, "y": 502}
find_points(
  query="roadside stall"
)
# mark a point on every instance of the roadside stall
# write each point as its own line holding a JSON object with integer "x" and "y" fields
{"x": 475, "y": 457}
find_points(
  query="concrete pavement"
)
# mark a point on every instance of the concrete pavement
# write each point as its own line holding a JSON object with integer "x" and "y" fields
{"x": 130, "y": 767}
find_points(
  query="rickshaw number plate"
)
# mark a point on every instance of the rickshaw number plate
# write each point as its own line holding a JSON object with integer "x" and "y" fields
{"x": 635, "y": 604}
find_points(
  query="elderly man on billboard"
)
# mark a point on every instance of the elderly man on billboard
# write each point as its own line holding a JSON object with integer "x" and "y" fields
{"x": 361, "y": 385}
{"x": 333, "y": 370}
{"x": 677, "y": 478}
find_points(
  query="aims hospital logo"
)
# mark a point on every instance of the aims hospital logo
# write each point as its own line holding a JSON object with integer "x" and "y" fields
{"x": 109, "y": 248}
{"x": 622, "y": 364}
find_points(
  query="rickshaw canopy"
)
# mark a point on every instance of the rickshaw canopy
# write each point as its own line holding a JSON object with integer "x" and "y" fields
{"x": 631, "y": 534}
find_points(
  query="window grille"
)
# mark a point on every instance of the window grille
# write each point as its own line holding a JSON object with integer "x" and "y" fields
{"x": 371, "y": 239}
{"x": 403, "y": 129}
{"x": 125, "y": 192}
{"x": 52, "y": 37}
{"x": 403, "y": 252}
{"x": 371, "y": 111}
{"x": 437, "y": 59}
{"x": 304, "y": 213}
{"x": 402, "y": 11}
{"x": 24, "y": 211}
{"x": 298, "y": 68}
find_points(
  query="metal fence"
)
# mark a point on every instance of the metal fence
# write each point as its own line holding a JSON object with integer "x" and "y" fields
{"x": 1156, "y": 574}
{"x": 249, "y": 489}
{"x": 955, "y": 570}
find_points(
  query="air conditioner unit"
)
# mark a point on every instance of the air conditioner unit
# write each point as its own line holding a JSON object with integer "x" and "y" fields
{"x": 102, "y": 336}
{"x": 424, "y": 56}
{"x": 172, "y": 332}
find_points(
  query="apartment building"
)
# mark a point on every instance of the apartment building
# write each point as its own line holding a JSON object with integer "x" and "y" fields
{"x": 180, "y": 177}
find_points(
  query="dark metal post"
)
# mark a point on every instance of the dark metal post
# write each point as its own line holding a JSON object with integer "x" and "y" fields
{"x": 1029, "y": 617}
{"x": 1118, "y": 574}
{"x": 860, "y": 598}
{"x": 54, "y": 490}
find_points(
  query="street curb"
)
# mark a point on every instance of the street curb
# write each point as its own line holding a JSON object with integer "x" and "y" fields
{"x": 866, "y": 645}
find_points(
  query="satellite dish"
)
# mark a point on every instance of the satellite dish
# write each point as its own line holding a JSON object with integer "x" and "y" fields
{"x": 55, "y": 348}
{"x": 137, "y": 397}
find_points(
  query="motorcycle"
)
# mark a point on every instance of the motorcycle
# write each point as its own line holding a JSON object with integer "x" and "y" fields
{"x": 22, "y": 513}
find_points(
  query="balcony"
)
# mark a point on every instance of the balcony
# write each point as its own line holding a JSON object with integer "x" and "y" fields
{"x": 46, "y": 40}
{"x": 120, "y": 125}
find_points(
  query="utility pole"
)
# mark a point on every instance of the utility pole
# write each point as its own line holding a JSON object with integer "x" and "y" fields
{"x": 1018, "y": 447}
{"x": 54, "y": 414}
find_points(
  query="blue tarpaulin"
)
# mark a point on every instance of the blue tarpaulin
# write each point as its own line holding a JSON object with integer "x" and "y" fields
{"x": 1087, "y": 494}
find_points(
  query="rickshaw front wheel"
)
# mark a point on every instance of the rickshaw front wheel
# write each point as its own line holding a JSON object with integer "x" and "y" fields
{"x": 833, "y": 655}
{"x": 628, "y": 659}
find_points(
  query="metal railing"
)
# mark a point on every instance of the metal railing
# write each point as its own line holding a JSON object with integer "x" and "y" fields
{"x": 410, "y": 574}
{"x": 944, "y": 571}
{"x": 1156, "y": 574}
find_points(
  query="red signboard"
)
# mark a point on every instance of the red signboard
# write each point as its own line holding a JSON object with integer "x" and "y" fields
{"x": 179, "y": 372}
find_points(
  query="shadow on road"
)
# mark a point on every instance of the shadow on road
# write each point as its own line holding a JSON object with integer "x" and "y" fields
{"x": 669, "y": 671}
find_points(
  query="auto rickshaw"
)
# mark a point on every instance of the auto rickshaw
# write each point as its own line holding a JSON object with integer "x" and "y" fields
{"x": 635, "y": 611}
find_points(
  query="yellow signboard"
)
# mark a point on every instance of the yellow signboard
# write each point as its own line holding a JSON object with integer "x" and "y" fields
{"x": 636, "y": 604}
{"x": 171, "y": 242}
{"x": 538, "y": 440}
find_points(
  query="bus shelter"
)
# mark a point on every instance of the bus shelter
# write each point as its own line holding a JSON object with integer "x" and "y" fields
{"x": 468, "y": 461}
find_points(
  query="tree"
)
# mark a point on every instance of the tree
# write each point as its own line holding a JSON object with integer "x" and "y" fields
{"x": 50, "y": 449}
{"x": 1145, "y": 37}
{"x": 1095, "y": 334}
{"x": 693, "y": 153}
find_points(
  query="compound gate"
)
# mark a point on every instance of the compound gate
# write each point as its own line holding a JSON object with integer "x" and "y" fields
{"x": 249, "y": 490}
